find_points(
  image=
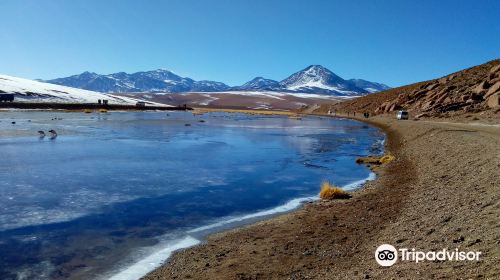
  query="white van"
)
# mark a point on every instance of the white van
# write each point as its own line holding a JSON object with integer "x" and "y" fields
{"x": 402, "y": 115}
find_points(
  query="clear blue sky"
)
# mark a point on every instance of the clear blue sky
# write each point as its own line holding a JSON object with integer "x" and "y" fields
{"x": 394, "y": 42}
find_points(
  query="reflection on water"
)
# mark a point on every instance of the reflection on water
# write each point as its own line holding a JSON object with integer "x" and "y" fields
{"x": 113, "y": 185}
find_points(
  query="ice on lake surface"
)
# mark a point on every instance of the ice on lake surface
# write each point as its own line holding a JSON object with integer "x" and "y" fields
{"x": 113, "y": 186}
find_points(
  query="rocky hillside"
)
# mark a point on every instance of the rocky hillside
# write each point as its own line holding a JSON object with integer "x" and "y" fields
{"x": 470, "y": 91}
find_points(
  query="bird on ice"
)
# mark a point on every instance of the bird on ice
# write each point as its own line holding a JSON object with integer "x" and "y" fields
{"x": 53, "y": 134}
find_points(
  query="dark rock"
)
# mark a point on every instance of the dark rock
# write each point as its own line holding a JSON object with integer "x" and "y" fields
{"x": 474, "y": 242}
{"x": 476, "y": 97}
{"x": 459, "y": 239}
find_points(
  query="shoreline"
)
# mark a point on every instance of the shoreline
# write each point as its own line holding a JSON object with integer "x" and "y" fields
{"x": 199, "y": 235}
{"x": 239, "y": 223}
{"x": 156, "y": 260}
{"x": 251, "y": 251}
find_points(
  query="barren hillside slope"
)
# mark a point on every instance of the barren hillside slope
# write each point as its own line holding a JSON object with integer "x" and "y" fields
{"x": 468, "y": 92}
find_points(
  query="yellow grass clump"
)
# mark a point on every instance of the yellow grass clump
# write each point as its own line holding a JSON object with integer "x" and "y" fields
{"x": 329, "y": 191}
{"x": 387, "y": 158}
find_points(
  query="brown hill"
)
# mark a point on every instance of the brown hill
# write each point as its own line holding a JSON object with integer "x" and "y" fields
{"x": 467, "y": 92}
{"x": 238, "y": 100}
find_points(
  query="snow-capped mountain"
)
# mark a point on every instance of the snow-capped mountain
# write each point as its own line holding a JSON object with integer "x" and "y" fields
{"x": 319, "y": 79}
{"x": 313, "y": 79}
{"x": 208, "y": 86}
{"x": 260, "y": 84}
{"x": 150, "y": 81}
{"x": 35, "y": 91}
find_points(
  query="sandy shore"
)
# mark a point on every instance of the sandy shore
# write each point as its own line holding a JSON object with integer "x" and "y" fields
{"x": 442, "y": 191}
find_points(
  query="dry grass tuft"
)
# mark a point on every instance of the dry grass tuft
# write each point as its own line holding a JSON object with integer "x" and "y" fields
{"x": 329, "y": 191}
{"x": 368, "y": 160}
{"x": 376, "y": 160}
{"x": 387, "y": 158}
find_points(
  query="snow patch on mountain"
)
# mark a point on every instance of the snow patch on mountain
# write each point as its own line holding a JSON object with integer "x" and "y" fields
{"x": 314, "y": 85}
{"x": 35, "y": 91}
{"x": 279, "y": 95}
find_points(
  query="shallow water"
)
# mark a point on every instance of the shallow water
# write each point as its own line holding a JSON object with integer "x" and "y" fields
{"x": 115, "y": 188}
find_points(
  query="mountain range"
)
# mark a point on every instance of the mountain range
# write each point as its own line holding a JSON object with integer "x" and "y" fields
{"x": 29, "y": 91}
{"x": 313, "y": 79}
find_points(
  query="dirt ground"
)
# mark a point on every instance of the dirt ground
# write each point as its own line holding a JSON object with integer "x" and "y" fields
{"x": 442, "y": 191}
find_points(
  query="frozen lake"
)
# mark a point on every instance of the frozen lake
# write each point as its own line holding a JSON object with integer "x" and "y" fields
{"x": 113, "y": 189}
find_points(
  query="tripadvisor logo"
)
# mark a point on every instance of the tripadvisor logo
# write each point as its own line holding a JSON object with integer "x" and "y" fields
{"x": 387, "y": 255}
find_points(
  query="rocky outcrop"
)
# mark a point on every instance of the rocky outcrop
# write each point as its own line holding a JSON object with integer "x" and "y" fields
{"x": 470, "y": 90}
{"x": 494, "y": 101}
{"x": 493, "y": 89}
